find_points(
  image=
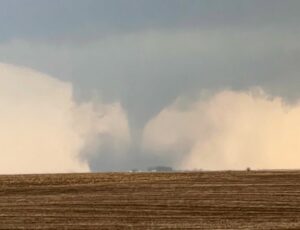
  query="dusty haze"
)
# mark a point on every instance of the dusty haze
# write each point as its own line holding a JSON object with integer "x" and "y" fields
{"x": 228, "y": 130}
{"x": 44, "y": 130}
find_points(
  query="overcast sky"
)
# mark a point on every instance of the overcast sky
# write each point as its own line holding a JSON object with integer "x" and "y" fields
{"x": 146, "y": 53}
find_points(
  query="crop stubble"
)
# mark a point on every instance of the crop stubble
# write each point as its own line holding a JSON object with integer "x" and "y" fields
{"x": 203, "y": 200}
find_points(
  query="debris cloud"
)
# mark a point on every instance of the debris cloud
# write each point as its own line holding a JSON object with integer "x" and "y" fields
{"x": 44, "y": 130}
{"x": 228, "y": 130}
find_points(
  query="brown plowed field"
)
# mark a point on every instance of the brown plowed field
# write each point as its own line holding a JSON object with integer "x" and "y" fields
{"x": 203, "y": 200}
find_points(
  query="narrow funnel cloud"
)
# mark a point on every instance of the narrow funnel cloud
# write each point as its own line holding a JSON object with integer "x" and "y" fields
{"x": 228, "y": 130}
{"x": 43, "y": 130}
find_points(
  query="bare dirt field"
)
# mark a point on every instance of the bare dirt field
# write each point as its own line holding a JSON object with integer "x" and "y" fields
{"x": 200, "y": 200}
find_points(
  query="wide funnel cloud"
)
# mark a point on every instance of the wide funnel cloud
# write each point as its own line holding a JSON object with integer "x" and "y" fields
{"x": 42, "y": 128}
{"x": 228, "y": 130}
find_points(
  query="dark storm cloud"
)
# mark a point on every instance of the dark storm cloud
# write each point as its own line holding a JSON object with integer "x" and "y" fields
{"x": 76, "y": 20}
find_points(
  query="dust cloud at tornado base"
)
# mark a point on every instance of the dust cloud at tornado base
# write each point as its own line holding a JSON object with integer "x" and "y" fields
{"x": 228, "y": 130}
{"x": 42, "y": 128}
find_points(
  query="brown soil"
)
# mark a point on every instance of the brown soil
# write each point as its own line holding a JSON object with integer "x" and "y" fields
{"x": 200, "y": 200}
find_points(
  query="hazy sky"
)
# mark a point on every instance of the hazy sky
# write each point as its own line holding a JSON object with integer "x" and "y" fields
{"x": 144, "y": 54}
